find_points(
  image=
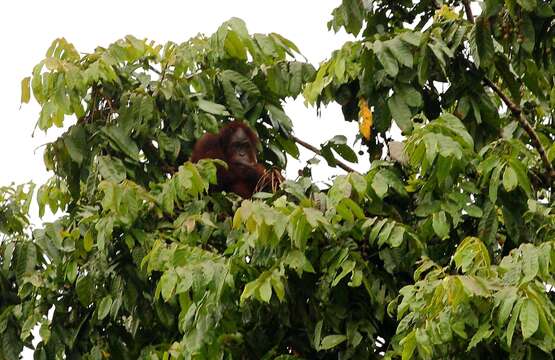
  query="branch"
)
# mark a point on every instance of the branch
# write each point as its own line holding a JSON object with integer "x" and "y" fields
{"x": 525, "y": 124}
{"x": 154, "y": 69}
{"x": 468, "y": 10}
{"x": 319, "y": 153}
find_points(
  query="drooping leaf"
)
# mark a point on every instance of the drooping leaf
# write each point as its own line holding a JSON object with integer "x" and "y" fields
{"x": 400, "y": 111}
{"x": 510, "y": 180}
{"x": 529, "y": 318}
{"x": 104, "y": 307}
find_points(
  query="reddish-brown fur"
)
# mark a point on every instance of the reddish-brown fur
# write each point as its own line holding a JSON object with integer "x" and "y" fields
{"x": 238, "y": 178}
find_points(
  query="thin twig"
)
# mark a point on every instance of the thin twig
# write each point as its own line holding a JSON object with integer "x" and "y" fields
{"x": 468, "y": 11}
{"x": 319, "y": 153}
{"x": 154, "y": 69}
{"x": 525, "y": 124}
{"x": 110, "y": 104}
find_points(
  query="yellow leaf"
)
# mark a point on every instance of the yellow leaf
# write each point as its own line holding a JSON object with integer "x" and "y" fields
{"x": 447, "y": 13}
{"x": 25, "y": 90}
{"x": 365, "y": 126}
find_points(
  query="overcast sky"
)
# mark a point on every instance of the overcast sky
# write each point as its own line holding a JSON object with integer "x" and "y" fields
{"x": 29, "y": 27}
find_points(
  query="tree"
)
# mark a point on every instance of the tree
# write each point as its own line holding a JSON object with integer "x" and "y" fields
{"x": 444, "y": 248}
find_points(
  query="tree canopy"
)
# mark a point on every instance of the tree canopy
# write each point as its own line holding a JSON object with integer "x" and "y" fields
{"x": 443, "y": 248}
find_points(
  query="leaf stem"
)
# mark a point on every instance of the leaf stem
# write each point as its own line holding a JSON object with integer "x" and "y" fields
{"x": 319, "y": 153}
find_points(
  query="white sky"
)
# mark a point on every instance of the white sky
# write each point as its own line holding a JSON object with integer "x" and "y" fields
{"x": 29, "y": 27}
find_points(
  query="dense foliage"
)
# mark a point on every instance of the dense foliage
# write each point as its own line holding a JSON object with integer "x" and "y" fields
{"x": 444, "y": 248}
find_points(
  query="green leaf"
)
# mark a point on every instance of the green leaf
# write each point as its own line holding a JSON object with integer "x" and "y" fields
{"x": 121, "y": 141}
{"x": 350, "y": 15}
{"x": 528, "y": 34}
{"x": 279, "y": 118}
{"x": 483, "y": 333}
{"x": 347, "y": 268}
{"x": 298, "y": 262}
{"x": 265, "y": 290}
{"x": 26, "y": 90}
{"x": 331, "y": 341}
{"x": 512, "y": 323}
{"x": 278, "y": 287}
{"x": 83, "y": 288}
{"x": 71, "y": 271}
{"x": 267, "y": 45}
{"x": 248, "y": 291}
{"x": 510, "y": 180}
{"x": 376, "y": 230}
{"x": 359, "y": 183}
{"x": 386, "y": 58}
{"x": 528, "y": 5}
{"x": 88, "y": 241}
{"x": 400, "y": 111}
{"x": 508, "y": 298}
{"x": 289, "y": 146}
{"x": 286, "y": 43}
{"x": 411, "y": 96}
{"x": 380, "y": 185}
{"x": 354, "y": 208}
{"x": 529, "y": 318}
{"x": 45, "y": 332}
{"x": 487, "y": 228}
{"x": 104, "y": 308}
{"x": 397, "y": 236}
{"x": 473, "y": 286}
{"x": 440, "y": 225}
{"x": 167, "y": 284}
{"x": 318, "y": 334}
{"x": 481, "y": 43}
{"x": 494, "y": 183}
{"x": 474, "y": 211}
{"x": 522, "y": 175}
{"x": 409, "y": 345}
{"x": 344, "y": 211}
{"x": 11, "y": 344}
{"x": 492, "y": 7}
{"x": 386, "y": 232}
{"x": 345, "y": 152}
{"x": 234, "y": 46}
{"x": 530, "y": 262}
{"x": 242, "y": 81}
{"x": 454, "y": 125}
{"x": 423, "y": 65}
{"x": 7, "y": 256}
{"x": 212, "y": 108}
{"x": 327, "y": 154}
{"x": 232, "y": 101}
{"x": 75, "y": 142}
{"x": 412, "y": 37}
{"x": 401, "y": 51}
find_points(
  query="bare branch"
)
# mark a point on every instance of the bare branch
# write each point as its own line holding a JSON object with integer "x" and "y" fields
{"x": 319, "y": 153}
{"x": 468, "y": 10}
